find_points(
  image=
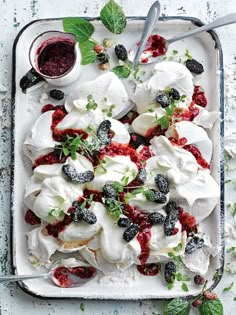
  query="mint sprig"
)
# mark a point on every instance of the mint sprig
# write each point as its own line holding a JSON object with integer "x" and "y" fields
{"x": 113, "y": 17}
{"x": 122, "y": 72}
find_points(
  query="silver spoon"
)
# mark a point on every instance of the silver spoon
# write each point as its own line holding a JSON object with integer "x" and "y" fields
{"x": 225, "y": 20}
{"x": 61, "y": 276}
{"x": 150, "y": 23}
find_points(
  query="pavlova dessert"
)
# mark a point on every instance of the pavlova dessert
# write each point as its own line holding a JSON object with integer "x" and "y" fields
{"x": 115, "y": 194}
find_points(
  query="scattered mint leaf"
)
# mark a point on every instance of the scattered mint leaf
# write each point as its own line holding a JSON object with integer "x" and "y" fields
{"x": 187, "y": 54}
{"x": 229, "y": 287}
{"x": 232, "y": 207}
{"x": 82, "y": 28}
{"x": 177, "y": 306}
{"x": 122, "y": 72}
{"x": 231, "y": 249}
{"x": 178, "y": 247}
{"x": 109, "y": 110}
{"x": 181, "y": 277}
{"x": 163, "y": 122}
{"x": 170, "y": 285}
{"x": 118, "y": 186}
{"x": 175, "y": 52}
{"x": 56, "y": 213}
{"x": 227, "y": 158}
{"x": 211, "y": 307}
{"x": 81, "y": 307}
{"x": 234, "y": 298}
{"x": 113, "y": 17}
{"x": 91, "y": 103}
{"x": 184, "y": 287}
{"x": 125, "y": 180}
{"x": 88, "y": 55}
{"x": 114, "y": 207}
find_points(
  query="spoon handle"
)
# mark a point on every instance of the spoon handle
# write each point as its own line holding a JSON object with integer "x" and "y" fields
{"x": 151, "y": 20}
{"x": 225, "y": 20}
{"x": 12, "y": 278}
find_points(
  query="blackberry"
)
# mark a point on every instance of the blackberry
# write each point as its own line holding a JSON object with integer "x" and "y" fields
{"x": 88, "y": 216}
{"x": 199, "y": 280}
{"x": 194, "y": 244}
{"x": 103, "y": 132}
{"x": 56, "y": 94}
{"x": 77, "y": 215}
{"x": 170, "y": 222}
{"x": 124, "y": 222}
{"x": 136, "y": 140}
{"x": 109, "y": 191}
{"x": 170, "y": 270}
{"x": 163, "y": 100}
{"x": 162, "y": 183}
{"x": 142, "y": 175}
{"x": 170, "y": 206}
{"x": 121, "y": 52}
{"x": 194, "y": 66}
{"x": 156, "y": 218}
{"x": 130, "y": 232}
{"x": 76, "y": 204}
{"x": 160, "y": 197}
{"x": 103, "y": 58}
{"x": 174, "y": 94}
{"x": 73, "y": 176}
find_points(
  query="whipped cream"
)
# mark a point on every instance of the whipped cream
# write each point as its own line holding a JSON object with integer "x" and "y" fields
{"x": 166, "y": 74}
{"x": 194, "y": 135}
{"x": 107, "y": 90}
{"x": 39, "y": 139}
{"x": 177, "y": 164}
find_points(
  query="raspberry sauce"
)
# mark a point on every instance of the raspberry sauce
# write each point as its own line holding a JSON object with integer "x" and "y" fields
{"x": 55, "y": 59}
{"x": 149, "y": 269}
{"x": 31, "y": 218}
{"x": 197, "y": 154}
{"x": 50, "y": 158}
{"x": 156, "y": 45}
{"x": 154, "y": 131}
{"x": 199, "y": 96}
{"x": 56, "y": 228}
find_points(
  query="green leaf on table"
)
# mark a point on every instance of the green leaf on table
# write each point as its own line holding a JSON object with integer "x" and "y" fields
{"x": 81, "y": 307}
{"x": 82, "y": 28}
{"x": 177, "y": 306}
{"x": 87, "y": 53}
{"x": 122, "y": 72}
{"x": 211, "y": 307}
{"x": 229, "y": 287}
{"x": 113, "y": 17}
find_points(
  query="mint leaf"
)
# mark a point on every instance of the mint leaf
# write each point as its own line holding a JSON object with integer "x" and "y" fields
{"x": 82, "y": 28}
{"x": 229, "y": 287}
{"x": 81, "y": 307}
{"x": 122, "y": 72}
{"x": 113, "y": 17}
{"x": 177, "y": 306}
{"x": 163, "y": 122}
{"x": 184, "y": 287}
{"x": 211, "y": 307}
{"x": 87, "y": 53}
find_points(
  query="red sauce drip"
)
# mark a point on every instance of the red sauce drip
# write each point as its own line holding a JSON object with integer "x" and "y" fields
{"x": 199, "y": 96}
{"x": 144, "y": 60}
{"x": 83, "y": 272}
{"x": 145, "y": 153}
{"x": 49, "y": 107}
{"x": 156, "y": 45}
{"x": 197, "y": 154}
{"x": 187, "y": 221}
{"x": 61, "y": 274}
{"x": 181, "y": 141}
{"x": 154, "y": 131}
{"x": 186, "y": 114}
{"x": 144, "y": 234}
{"x": 31, "y": 218}
{"x": 50, "y": 158}
{"x": 194, "y": 111}
{"x": 97, "y": 195}
{"x": 55, "y": 59}
{"x": 115, "y": 148}
{"x": 149, "y": 269}
{"x": 59, "y": 135}
{"x": 129, "y": 117}
{"x": 56, "y": 228}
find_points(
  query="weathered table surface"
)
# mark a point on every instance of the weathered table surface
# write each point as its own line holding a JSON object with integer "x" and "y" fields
{"x": 14, "y": 15}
